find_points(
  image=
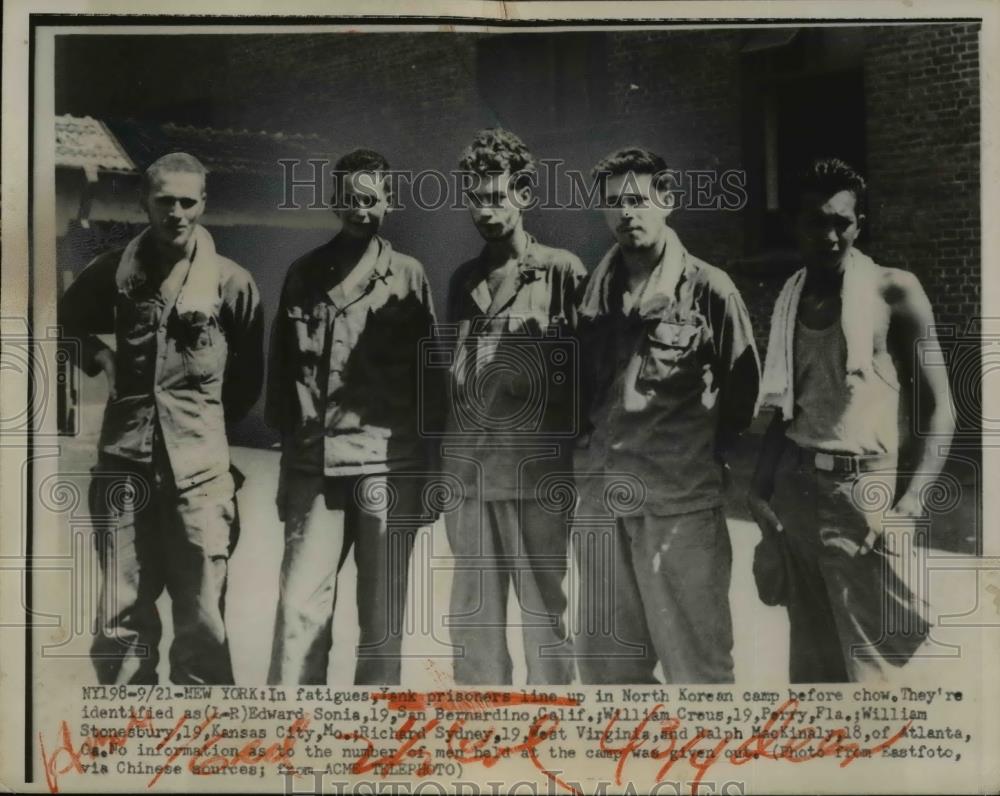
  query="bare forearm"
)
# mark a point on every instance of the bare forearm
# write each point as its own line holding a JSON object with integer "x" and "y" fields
{"x": 936, "y": 445}
{"x": 913, "y": 327}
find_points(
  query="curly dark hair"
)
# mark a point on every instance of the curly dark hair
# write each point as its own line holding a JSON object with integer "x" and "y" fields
{"x": 828, "y": 176}
{"x": 494, "y": 151}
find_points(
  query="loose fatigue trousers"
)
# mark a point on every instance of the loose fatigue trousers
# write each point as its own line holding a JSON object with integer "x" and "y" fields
{"x": 324, "y": 517}
{"x": 152, "y": 536}
{"x": 873, "y": 609}
{"x": 495, "y": 542}
{"x": 654, "y": 589}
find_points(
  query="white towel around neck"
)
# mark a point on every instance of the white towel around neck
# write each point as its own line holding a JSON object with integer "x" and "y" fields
{"x": 858, "y": 294}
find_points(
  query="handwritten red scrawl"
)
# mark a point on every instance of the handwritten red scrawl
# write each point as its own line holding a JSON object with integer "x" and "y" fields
{"x": 481, "y": 748}
{"x": 756, "y": 747}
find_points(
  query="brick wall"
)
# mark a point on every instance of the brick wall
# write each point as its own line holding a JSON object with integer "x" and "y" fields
{"x": 922, "y": 89}
{"x": 923, "y": 141}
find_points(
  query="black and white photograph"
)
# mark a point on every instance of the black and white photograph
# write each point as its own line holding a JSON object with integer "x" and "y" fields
{"x": 401, "y": 356}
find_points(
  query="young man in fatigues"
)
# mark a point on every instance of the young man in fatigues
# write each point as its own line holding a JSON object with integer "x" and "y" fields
{"x": 187, "y": 360}
{"x": 671, "y": 376}
{"x": 343, "y": 391}
{"x": 844, "y": 330}
{"x": 511, "y": 423}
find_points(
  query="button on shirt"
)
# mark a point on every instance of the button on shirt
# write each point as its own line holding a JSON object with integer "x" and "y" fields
{"x": 668, "y": 384}
{"x": 188, "y": 351}
{"x": 345, "y": 360}
{"x": 514, "y": 399}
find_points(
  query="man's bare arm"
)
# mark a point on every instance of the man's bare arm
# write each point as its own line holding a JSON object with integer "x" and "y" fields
{"x": 913, "y": 326}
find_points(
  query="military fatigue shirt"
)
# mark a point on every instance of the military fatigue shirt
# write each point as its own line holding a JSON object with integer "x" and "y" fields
{"x": 345, "y": 365}
{"x": 514, "y": 401}
{"x": 668, "y": 384}
{"x": 188, "y": 351}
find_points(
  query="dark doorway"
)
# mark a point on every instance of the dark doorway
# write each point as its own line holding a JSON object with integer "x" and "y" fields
{"x": 819, "y": 116}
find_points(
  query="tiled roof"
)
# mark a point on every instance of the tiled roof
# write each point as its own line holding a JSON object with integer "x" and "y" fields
{"x": 88, "y": 144}
{"x": 222, "y": 151}
{"x": 130, "y": 145}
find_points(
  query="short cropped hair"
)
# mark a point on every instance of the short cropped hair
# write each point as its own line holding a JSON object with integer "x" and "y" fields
{"x": 174, "y": 163}
{"x": 828, "y": 176}
{"x": 358, "y": 160}
{"x": 634, "y": 159}
{"x": 494, "y": 151}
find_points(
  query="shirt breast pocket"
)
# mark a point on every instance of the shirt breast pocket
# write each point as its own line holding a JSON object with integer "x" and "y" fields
{"x": 671, "y": 352}
{"x": 201, "y": 347}
{"x": 137, "y": 318}
{"x": 307, "y": 330}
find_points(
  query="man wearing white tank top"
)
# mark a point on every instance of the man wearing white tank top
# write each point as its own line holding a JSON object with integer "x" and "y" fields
{"x": 844, "y": 331}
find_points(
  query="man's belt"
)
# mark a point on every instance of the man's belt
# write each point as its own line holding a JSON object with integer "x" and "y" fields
{"x": 849, "y": 464}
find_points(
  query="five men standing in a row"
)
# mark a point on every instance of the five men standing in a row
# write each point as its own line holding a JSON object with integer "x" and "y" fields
{"x": 628, "y": 387}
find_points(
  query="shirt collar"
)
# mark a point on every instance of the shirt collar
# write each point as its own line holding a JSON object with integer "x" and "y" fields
{"x": 476, "y": 286}
{"x": 661, "y": 289}
{"x": 364, "y": 280}
{"x": 137, "y": 272}
{"x": 663, "y": 286}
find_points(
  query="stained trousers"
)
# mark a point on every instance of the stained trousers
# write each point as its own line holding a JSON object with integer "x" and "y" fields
{"x": 152, "y": 536}
{"x": 496, "y": 542}
{"x": 874, "y": 613}
{"x": 654, "y": 589}
{"x": 324, "y": 518}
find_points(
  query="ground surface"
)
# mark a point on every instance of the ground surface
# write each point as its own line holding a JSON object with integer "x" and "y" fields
{"x": 761, "y": 633}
